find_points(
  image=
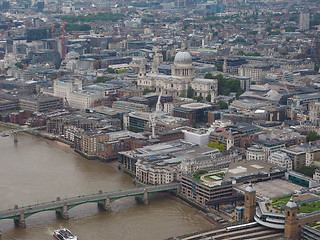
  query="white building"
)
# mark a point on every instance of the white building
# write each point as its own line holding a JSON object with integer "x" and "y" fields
{"x": 263, "y": 149}
{"x": 256, "y": 72}
{"x": 157, "y": 174}
{"x": 210, "y": 160}
{"x": 197, "y": 136}
{"x": 316, "y": 175}
{"x": 281, "y": 159}
{"x": 73, "y": 95}
{"x": 256, "y": 153}
{"x": 182, "y": 77}
{"x": 304, "y": 21}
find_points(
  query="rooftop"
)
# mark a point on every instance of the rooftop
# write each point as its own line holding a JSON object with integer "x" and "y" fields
{"x": 196, "y": 106}
{"x": 267, "y": 189}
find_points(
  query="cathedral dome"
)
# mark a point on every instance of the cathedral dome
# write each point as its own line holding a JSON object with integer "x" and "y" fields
{"x": 183, "y": 57}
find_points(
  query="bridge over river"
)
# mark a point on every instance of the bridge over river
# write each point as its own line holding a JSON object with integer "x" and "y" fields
{"x": 15, "y": 131}
{"x": 104, "y": 199}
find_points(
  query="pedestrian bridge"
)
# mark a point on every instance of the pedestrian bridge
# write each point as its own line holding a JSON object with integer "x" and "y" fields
{"x": 104, "y": 199}
{"x": 15, "y": 132}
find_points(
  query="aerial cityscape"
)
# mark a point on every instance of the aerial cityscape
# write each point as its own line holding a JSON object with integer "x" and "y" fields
{"x": 158, "y": 120}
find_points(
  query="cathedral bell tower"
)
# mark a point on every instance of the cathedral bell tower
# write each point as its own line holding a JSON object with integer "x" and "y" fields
{"x": 249, "y": 203}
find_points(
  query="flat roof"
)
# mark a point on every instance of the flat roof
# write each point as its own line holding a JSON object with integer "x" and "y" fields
{"x": 272, "y": 189}
{"x": 195, "y": 105}
{"x": 246, "y": 168}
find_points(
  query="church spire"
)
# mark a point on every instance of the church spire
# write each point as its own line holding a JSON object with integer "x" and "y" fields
{"x": 155, "y": 62}
{"x": 142, "y": 69}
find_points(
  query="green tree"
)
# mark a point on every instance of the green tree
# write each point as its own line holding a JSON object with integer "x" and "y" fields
{"x": 252, "y": 33}
{"x": 102, "y": 79}
{"x": 284, "y": 53}
{"x": 19, "y": 65}
{"x": 147, "y": 90}
{"x": 122, "y": 70}
{"x": 190, "y": 92}
{"x": 219, "y": 67}
{"x": 239, "y": 92}
{"x": 216, "y": 145}
{"x": 148, "y": 20}
{"x": 239, "y": 40}
{"x": 198, "y": 173}
{"x": 208, "y": 98}
{"x": 208, "y": 76}
{"x": 77, "y": 27}
{"x": 111, "y": 70}
{"x": 240, "y": 53}
{"x": 273, "y": 33}
{"x": 181, "y": 95}
{"x": 308, "y": 171}
{"x": 102, "y": 16}
{"x": 199, "y": 98}
{"x": 312, "y": 136}
{"x": 223, "y": 104}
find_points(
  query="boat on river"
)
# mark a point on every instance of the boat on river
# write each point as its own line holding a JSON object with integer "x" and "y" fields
{"x": 64, "y": 234}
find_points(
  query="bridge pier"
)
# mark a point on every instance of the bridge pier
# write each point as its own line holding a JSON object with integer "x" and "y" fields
{"x": 145, "y": 197}
{"x": 21, "y": 222}
{"x": 15, "y": 138}
{"x": 63, "y": 213}
{"x": 105, "y": 205}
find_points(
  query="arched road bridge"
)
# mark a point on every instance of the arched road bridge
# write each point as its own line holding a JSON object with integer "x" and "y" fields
{"x": 61, "y": 206}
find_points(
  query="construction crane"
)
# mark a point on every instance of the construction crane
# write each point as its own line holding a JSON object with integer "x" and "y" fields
{"x": 152, "y": 118}
{"x": 63, "y": 47}
{"x": 52, "y": 27}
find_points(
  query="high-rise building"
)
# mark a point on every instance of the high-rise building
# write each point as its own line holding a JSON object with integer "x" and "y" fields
{"x": 304, "y": 21}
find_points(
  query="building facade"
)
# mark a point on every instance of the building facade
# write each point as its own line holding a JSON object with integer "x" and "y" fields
{"x": 182, "y": 78}
{"x": 280, "y": 159}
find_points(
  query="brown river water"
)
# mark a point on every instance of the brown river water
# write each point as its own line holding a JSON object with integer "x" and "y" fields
{"x": 36, "y": 170}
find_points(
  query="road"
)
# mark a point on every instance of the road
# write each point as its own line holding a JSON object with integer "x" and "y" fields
{"x": 11, "y": 213}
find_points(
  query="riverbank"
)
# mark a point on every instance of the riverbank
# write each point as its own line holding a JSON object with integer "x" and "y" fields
{"x": 65, "y": 147}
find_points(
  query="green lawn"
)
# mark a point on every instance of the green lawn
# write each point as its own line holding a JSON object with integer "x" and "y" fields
{"x": 209, "y": 177}
{"x": 309, "y": 207}
{"x": 280, "y": 200}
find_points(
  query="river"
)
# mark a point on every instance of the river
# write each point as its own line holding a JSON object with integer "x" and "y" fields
{"x": 35, "y": 170}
